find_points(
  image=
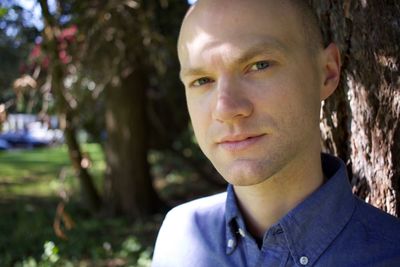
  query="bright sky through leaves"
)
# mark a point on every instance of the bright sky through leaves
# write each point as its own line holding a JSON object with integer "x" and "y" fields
{"x": 34, "y": 7}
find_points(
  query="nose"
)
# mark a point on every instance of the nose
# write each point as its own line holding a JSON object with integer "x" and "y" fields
{"x": 232, "y": 102}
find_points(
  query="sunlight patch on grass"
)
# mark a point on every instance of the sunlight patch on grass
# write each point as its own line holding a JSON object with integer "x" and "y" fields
{"x": 38, "y": 171}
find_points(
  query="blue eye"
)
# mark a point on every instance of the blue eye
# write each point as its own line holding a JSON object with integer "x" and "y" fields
{"x": 261, "y": 65}
{"x": 201, "y": 81}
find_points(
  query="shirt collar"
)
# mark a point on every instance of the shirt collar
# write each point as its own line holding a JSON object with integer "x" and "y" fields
{"x": 312, "y": 225}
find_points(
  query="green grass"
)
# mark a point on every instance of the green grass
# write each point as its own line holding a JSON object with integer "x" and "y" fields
{"x": 29, "y": 184}
{"x": 26, "y": 228}
{"x": 38, "y": 171}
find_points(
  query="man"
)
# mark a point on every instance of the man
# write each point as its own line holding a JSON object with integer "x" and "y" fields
{"x": 255, "y": 73}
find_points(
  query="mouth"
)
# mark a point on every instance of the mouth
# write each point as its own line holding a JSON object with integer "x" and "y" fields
{"x": 239, "y": 142}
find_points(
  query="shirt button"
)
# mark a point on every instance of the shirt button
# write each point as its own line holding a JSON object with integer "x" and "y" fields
{"x": 241, "y": 232}
{"x": 304, "y": 260}
{"x": 231, "y": 243}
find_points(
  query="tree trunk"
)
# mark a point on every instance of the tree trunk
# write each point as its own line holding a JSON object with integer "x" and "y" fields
{"x": 88, "y": 190}
{"x": 360, "y": 122}
{"x": 51, "y": 31}
{"x": 128, "y": 186}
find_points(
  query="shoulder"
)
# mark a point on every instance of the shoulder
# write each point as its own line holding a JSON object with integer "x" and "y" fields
{"x": 377, "y": 223}
{"x": 370, "y": 238}
{"x": 206, "y": 206}
{"x": 196, "y": 215}
{"x": 190, "y": 231}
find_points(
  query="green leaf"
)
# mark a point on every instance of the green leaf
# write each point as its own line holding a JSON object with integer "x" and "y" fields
{"x": 3, "y": 12}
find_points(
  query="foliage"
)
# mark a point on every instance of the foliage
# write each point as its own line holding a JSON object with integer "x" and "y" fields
{"x": 3, "y": 12}
{"x": 92, "y": 242}
{"x": 115, "y": 38}
{"x": 28, "y": 207}
{"x": 107, "y": 41}
{"x": 16, "y": 40}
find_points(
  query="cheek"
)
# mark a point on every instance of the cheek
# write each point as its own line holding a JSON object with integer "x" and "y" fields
{"x": 300, "y": 113}
{"x": 199, "y": 117}
{"x": 292, "y": 101}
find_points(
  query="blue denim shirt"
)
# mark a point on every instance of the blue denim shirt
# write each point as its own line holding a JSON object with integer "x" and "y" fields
{"x": 331, "y": 227}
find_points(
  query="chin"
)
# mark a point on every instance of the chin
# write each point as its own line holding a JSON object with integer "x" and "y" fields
{"x": 246, "y": 173}
{"x": 244, "y": 181}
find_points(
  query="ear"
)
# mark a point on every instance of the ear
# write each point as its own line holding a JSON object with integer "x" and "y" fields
{"x": 331, "y": 70}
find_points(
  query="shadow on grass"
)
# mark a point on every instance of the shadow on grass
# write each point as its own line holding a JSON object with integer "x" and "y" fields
{"x": 27, "y": 236}
{"x": 28, "y": 212}
{"x": 20, "y": 182}
{"x": 26, "y": 225}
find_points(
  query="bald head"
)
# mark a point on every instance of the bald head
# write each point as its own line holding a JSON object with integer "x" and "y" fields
{"x": 209, "y": 14}
{"x": 309, "y": 22}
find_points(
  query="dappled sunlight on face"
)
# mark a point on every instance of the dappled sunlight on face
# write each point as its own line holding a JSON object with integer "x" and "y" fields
{"x": 195, "y": 44}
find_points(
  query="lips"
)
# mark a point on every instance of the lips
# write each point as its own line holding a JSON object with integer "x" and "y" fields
{"x": 239, "y": 142}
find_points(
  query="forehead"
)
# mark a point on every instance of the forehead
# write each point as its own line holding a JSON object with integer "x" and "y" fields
{"x": 235, "y": 25}
{"x": 206, "y": 50}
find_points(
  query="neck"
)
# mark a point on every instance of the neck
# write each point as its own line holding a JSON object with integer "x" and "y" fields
{"x": 264, "y": 204}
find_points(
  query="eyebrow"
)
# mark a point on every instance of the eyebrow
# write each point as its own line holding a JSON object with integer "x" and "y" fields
{"x": 266, "y": 47}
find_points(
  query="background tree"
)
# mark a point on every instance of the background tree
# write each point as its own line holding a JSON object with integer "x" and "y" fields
{"x": 126, "y": 54}
{"x": 120, "y": 83}
{"x": 361, "y": 121}
{"x": 52, "y": 36}
{"x": 17, "y": 38}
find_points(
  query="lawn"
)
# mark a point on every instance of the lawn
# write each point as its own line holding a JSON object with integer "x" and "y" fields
{"x": 30, "y": 181}
{"x": 30, "y": 186}
{"x": 41, "y": 172}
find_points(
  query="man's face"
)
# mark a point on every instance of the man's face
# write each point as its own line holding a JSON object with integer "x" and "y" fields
{"x": 252, "y": 87}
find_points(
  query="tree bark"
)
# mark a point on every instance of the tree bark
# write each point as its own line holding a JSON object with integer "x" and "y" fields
{"x": 128, "y": 187}
{"x": 66, "y": 114}
{"x": 360, "y": 122}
